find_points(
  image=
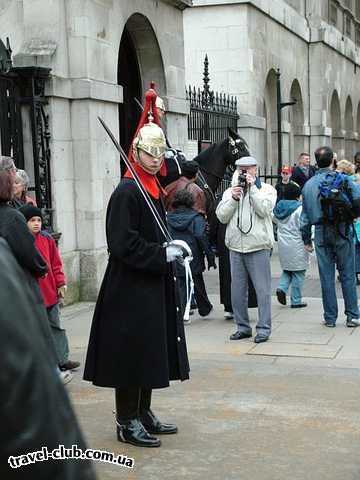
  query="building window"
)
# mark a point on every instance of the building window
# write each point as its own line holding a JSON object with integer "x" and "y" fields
{"x": 357, "y": 37}
{"x": 347, "y": 26}
{"x": 333, "y": 14}
{"x": 357, "y": 9}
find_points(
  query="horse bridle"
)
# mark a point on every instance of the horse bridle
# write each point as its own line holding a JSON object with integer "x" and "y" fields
{"x": 204, "y": 183}
{"x": 201, "y": 177}
{"x": 235, "y": 150}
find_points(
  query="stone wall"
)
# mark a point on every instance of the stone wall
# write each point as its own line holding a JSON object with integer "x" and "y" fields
{"x": 79, "y": 41}
{"x": 247, "y": 42}
{"x": 244, "y": 45}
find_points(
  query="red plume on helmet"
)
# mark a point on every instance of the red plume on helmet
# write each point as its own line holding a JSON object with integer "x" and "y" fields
{"x": 149, "y": 114}
{"x": 150, "y": 109}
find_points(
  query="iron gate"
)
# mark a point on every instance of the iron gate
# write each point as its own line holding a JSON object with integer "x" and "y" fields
{"x": 210, "y": 113}
{"x": 23, "y": 102}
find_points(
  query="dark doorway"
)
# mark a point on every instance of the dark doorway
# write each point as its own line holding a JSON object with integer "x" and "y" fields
{"x": 129, "y": 78}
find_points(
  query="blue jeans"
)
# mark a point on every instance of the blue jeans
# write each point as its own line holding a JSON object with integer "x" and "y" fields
{"x": 334, "y": 250}
{"x": 296, "y": 280}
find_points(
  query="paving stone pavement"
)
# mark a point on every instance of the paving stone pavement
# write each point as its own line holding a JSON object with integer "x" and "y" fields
{"x": 312, "y": 287}
{"x": 286, "y": 409}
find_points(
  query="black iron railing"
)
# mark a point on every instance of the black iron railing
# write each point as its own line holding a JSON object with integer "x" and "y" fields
{"x": 23, "y": 101}
{"x": 210, "y": 113}
{"x": 268, "y": 175}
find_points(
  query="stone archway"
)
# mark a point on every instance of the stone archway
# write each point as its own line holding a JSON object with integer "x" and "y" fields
{"x": 335, "y": 123}
{"x": 349, "y": 127}
{"x": 271, "y": 145}
{"x": 139, "y": 63}
{"x": 298, "y": 143}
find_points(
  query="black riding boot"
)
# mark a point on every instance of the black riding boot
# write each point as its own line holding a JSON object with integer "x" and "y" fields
{"x": 149, "y": 420}
{"x": 128, "y": 426}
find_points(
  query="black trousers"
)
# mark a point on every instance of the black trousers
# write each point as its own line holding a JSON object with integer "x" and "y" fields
{"x": 202, "y": 301}
{"x": 131, "y": 402}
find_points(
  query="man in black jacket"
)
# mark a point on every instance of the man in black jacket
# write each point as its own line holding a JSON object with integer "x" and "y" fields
{"x": 303, "y": 171}
{"x": 35, "y": 411}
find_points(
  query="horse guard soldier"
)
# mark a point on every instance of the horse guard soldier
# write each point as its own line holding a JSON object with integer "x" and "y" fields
{"x": 137, "y": 340}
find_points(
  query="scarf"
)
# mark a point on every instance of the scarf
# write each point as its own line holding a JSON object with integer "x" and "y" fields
{"x": 149, "y": 182}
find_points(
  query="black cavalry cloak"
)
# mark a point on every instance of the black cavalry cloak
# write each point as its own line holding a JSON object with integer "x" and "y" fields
{"x": 137, "y": 336}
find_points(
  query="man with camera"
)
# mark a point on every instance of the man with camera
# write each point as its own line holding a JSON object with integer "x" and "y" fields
{"x": 331, "y": 202}
{"x": 246, "y": 209}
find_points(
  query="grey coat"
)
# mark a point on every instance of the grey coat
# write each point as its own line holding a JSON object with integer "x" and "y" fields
{"x": 292, "y": 254}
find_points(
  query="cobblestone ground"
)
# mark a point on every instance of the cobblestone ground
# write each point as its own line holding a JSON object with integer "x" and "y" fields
{"x": 287, "y": 409}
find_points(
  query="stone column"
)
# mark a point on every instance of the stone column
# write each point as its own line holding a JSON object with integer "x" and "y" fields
{"x": 177, "y": 129}
{"x": 252, "y": 129}
{"x": 85, "y": 171}
{"x": 301, "y": 136}
{"x": 96, "y": 174}
{"x": 350, "y": 142}
{"x": 320, "y": 136}
{"x": 63, "y": 193}
{"x": 356, "y": 143}
{"x": 338, "y": 143}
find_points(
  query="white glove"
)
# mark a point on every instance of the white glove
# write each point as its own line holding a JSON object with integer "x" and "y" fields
{"x": 178, "y": 250}
{"x": 173, "y": 252}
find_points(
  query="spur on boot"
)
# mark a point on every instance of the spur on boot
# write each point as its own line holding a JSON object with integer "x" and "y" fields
{"x": 133, "y": 431}
{"x": 154, "y": 425}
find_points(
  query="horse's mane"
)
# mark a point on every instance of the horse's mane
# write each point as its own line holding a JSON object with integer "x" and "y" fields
{"x": 208, "y": 152}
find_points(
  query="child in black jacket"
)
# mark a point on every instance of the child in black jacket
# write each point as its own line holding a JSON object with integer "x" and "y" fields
{"x": 188, "y": 225}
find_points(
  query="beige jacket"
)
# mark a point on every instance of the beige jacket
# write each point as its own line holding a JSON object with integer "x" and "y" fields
{"x": 249, "y": 220}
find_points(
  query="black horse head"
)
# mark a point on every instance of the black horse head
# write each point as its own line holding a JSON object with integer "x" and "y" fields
{"x": 216, "y": 159}
{"x": 237, "y": 148}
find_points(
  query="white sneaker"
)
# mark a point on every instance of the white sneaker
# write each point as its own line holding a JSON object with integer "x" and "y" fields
{"x": 187, "y": 322}
{"x": 228, "y": 315}
{"x": 352, "y": 322}
{"x": 66, "y": 376}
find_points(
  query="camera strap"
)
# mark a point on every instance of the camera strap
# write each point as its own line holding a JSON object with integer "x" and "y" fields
{"x": 240, "y": 217}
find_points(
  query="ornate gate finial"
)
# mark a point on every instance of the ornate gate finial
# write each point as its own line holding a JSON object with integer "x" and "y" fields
{"x": 207, "y": 94}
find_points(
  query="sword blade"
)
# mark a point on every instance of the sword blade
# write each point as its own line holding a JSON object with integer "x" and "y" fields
{"x": 139, "y": 104}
